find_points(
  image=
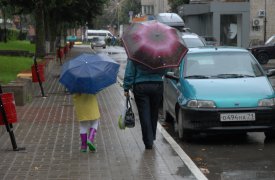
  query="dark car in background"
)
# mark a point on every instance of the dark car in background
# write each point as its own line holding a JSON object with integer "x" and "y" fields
{"x": 263, "y": 53}
{"x": 210, "y": 41}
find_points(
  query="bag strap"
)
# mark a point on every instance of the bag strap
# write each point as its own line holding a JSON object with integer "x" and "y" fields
{"x": 128, "y": 102}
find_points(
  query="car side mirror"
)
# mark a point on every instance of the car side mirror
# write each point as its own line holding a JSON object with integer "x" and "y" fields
{"x": 270, "y": 72}
{"x": 171, "y": 75}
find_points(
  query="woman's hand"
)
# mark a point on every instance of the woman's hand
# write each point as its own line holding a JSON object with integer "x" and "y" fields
{"x": 126, "y": 94}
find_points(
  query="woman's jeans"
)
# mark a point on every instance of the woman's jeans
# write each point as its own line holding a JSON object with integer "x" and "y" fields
{"x": 148, "y": 97}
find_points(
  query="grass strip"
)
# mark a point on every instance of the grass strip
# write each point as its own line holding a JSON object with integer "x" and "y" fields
{"x": 11, "y": 66}
{"x": 18, "y": 45}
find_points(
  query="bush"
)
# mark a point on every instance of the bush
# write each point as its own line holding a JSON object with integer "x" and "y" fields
{"x": 12, "y": 35}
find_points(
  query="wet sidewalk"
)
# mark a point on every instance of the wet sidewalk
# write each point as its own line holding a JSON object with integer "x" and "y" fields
{"x": 47, "y": 128}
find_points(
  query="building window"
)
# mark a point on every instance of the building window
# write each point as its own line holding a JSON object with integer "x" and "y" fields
{"x": 148, "y": 9}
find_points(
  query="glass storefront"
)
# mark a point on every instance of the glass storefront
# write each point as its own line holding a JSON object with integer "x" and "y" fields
{"x": 229, "y": 30}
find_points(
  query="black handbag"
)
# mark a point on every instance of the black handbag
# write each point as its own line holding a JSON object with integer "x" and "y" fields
{"x": 129, "y": 119}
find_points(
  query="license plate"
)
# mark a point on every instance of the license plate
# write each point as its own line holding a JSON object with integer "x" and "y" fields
{"x": 237, "y": 117}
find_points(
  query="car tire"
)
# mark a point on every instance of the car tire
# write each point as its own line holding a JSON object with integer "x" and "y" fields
{"x": 263, "y": 58}
{"x": 184, "y": 135}
{"x": 104, "y": 47}
{"x": 270, "y": 134}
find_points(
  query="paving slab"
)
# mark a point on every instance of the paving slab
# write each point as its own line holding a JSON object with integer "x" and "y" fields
{"x": 48, "y": 129}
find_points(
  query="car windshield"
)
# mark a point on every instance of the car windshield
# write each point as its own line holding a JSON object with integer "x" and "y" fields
{"x": 221, "y": 65}
{"x": 271, "y": 41}
{"x": 193, "y": 42}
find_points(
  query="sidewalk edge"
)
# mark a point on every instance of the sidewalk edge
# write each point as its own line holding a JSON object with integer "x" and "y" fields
{"x": 184, "y": 157}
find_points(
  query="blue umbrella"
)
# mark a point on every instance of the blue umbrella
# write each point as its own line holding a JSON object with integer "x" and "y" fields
{"x": 89, "y": 73}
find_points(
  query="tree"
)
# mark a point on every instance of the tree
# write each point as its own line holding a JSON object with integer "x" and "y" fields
{"x": 54, "y": 17}
{"x": 118, "y": 13}
{"x": 6, "y": 10}
{"x": 127, "y": 6}
{"x": 174, "y": 4}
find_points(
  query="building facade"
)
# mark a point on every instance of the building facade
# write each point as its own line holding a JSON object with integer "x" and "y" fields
{"x": 227, "y": 21}
{"x": 262, "y": 18}
{"x": 232, "y": 22}
{"x": 153, "y": 7}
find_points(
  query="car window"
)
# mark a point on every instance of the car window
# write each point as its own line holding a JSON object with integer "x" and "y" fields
{"x": 95, "y": 39}
{"x": 213, "y": 65}
{"x": 176, "y": 71}
{"x": 193, "y": 42}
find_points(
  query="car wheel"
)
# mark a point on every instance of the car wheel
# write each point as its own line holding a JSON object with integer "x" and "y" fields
{"x": 184, "y": 135}
{"x": 104, "y": 47}
{"x": 92, "y": 47}
{"x": 263, "y": 58}
{"x": 270, "y": 134}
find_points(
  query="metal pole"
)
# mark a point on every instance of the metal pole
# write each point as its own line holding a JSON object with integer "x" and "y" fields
{"x": 38, "y": 76}
{"x": 265, "y": 21}
{"x": 59, "y": 55}
{"x": 118, "y": 17}
{"x": 9, "y": 126}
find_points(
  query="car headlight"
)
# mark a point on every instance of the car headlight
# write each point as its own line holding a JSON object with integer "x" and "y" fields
{"x": 201, "y": 104}
{"x": 266, "y": 102}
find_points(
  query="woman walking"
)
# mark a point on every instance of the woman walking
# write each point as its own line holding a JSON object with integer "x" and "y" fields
{"x": 147, "y": 87}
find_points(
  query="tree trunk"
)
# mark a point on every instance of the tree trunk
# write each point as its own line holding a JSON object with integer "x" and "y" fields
{"x": 5, "y": 26}
{"x": 40, "y": 29}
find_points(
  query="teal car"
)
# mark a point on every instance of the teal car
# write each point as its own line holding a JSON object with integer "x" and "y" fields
{"x": 219, "y": 89}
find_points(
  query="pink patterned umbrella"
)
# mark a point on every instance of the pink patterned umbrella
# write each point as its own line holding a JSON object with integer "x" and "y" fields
{"x": 154, "y": 45}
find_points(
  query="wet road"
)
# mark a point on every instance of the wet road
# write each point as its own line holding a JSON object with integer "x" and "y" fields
{"x": 225, "y": 157}
{"x": 232, "y": 157}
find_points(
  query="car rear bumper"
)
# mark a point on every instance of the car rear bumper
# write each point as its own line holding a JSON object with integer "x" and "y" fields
{"x": 209, "y": 120}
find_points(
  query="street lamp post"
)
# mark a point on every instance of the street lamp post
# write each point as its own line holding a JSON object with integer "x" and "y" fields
{"x": 118, "y": 17}
{"x": 265, "y": 21}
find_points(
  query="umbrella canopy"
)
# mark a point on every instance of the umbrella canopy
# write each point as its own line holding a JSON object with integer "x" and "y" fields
{"x": 154, "y": 44}
{"x": 89, "y": 73}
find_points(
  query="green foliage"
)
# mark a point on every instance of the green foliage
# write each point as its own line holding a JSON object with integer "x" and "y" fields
{"x": 129, "y": 5}
{"x": 174, "y": 4}
{"x": 11, "y": 66}
{"x": 17, "y": 45}
{"x": 117, "y": 12}
{"x": 12, "y": 34}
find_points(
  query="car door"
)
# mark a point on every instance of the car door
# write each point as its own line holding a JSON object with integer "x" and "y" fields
{"x": 170, "y": 94}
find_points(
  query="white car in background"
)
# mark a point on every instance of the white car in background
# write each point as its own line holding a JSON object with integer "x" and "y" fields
{"x": 192, "y": 40}
{"x": 98, "y": 42}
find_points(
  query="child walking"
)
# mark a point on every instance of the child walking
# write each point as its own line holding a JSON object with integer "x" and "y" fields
{"x": 87, "y": 113}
